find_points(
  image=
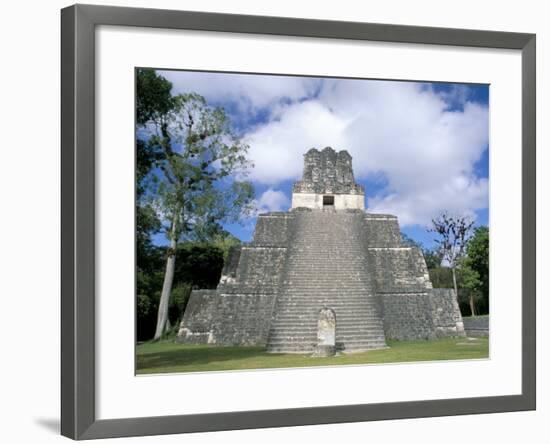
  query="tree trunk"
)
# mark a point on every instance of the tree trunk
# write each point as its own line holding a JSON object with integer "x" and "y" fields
{"x": 162, "y": 316}
{"x": 454, "y": 283}
{"x": 472, "y": 305}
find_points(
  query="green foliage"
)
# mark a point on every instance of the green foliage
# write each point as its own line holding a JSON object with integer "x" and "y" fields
{"x": 441, "y": 277}
{"x": 478, "y": 256}
{"x": 474, "y": 269}
{"x": 204, "y": 161}
{"x": 153, "y": 98}
{"x": 225, "y": 241}
{"x": 148, "y": 285}
{"x": 198, "y": 265}
{"x": 191, "y": 169}
{"x": 472, "y": 273}
{"x": 180, "y": 296}
{"x": 433, "y": 258}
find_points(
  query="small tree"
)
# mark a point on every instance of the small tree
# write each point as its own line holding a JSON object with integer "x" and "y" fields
{"x": 453, "y": 234}
{"x": 470, "y": 281}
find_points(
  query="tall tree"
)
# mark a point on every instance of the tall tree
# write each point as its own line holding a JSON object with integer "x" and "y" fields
{"x": 453, "y": 234}
{"x": 200, "y": 174}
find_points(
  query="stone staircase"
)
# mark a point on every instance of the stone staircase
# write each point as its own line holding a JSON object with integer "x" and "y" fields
{"x": 326, "y": 266}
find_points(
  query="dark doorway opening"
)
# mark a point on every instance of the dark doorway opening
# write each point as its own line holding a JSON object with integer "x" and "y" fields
{"x": 328, "y": 201}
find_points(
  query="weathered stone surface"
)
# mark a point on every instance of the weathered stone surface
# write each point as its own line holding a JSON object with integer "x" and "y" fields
{"x": 354, "y": 262}
{"x": 196, "y": 325}
{"x": 328, "y": 182}
{"x": 229, "y": 271}
{"x": 326, "y": 264}
{"x": 326, "y": 333}
{"x": 446, "y": 312}
{"x": 476, "y": 325}
{"x": 242, "y": 319}
{"x": 328, "y": 172}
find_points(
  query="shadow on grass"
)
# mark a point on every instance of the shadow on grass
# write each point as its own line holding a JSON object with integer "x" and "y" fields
{"x": 196, "y": 355}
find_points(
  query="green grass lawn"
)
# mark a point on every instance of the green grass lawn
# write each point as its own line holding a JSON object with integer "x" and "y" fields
{"x": 169, "y": 357}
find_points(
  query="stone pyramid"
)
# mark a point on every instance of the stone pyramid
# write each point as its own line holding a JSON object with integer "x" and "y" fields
{"x": 326, "y": 252}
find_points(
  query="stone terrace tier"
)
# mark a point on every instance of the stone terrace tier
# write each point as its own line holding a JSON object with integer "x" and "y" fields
{"x": 299, "y": 262}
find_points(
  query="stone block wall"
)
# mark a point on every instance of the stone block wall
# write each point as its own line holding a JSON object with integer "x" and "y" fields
{"x": 411, "y": 308}
{"x": 382, "y": 230}
{"x": 200, "y": 312}
{"x": 477, "y": 325}
{"x": 365, "y": 256}
{"x": 431, "y": 314}
{"x": 272, "y": 229}
{"x": 239, "y": 311}
{"x": 226, "y": 319}
{"x": 242, "y": 319}
{"x": 258, "y": 271}
{"x": 398, "y": 269}
{"x": 446, "y": 312}
{"x": 407, "y": 316}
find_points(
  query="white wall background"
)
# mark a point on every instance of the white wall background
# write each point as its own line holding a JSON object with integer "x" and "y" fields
{"x": 29, "y": 221}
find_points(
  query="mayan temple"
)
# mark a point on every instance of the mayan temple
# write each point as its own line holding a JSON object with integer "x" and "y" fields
{"x": 325, "y": 254}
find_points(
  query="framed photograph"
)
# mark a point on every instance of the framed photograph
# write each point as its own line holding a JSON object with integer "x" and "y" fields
{"x": 272, "y": 222}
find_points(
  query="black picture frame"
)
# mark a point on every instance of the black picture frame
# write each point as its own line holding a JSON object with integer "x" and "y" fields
{"x": 78, "y": 419}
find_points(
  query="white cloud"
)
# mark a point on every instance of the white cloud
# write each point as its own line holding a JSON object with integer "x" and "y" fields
{"x": 272, "y": 200}
{"x": 251, "y": 92}
{"x": 277, "y": 148}
{"x": 404, "y": 132}
{"x": 398, "y": 130}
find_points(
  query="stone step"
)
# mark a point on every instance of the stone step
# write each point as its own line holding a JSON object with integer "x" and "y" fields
{"x": 344, "y": 329}
{"x": 336, "y": 299}
{"x": 332, "y": 284}
{"x": 315, "y": 263}
{"x": 350, "y": 340}
{"x": 305, "y": 289}
{"x": 310, "y": 348}
{"x": 340, "y": 311}
{"x": 298, "y": 300}
{"x": 326, "y": 265}
{"x": 302, "y": 289}
{"x": 335, "y": 303}
{"x": 340, "y": 341}
{"x": 301, "y": 329}
{"x": 313, "y": 316}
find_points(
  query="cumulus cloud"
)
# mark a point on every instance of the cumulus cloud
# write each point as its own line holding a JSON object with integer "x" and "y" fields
{"x": 400, "y": 131}
{"x": 422, "y": 144}
{"x": 277, "y": 147}
{"x": 248, "y": 91}
{"x": 272, "y": 200}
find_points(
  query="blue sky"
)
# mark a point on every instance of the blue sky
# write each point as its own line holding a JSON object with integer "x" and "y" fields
{"x": 418, "y": 148}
